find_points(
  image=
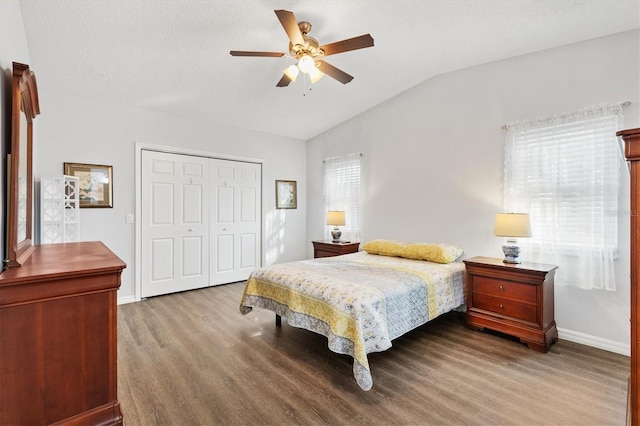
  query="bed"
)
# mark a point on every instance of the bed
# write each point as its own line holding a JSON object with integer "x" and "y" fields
{"x": 359, "y": 301}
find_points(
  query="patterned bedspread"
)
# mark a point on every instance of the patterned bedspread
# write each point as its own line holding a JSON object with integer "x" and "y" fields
{"x": 359, "y": 301}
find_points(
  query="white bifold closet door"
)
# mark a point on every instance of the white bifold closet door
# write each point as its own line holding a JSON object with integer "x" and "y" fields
{"x": 235, "y": 220}
{"x": 201, "y": 221}
{"x": 175, "y": 223}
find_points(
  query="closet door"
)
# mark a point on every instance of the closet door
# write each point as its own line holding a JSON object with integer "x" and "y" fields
{"x": 175, "y": 228}
{"x": 236, "y": 189}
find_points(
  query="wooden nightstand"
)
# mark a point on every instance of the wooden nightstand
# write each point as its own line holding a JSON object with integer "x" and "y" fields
{"x": 515, "y": 299}
{"x": 328, "y": 248}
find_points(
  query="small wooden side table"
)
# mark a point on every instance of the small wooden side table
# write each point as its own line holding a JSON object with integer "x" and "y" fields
{"x": 515, "y": 299}
{"x": 329, "y": 248}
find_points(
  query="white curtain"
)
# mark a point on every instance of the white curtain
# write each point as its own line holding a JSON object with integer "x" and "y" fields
{"x": 565, "y": 172}
{"x": 342, "y": 192}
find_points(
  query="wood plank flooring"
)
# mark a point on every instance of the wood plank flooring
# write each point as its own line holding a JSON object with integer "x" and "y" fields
{"x": 192, "y": 359}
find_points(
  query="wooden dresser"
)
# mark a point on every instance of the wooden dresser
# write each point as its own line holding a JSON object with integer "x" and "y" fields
{"x": 58, "y": 337}
{"x": 329, "y": 248}
{"x": 516, "y": 299}
{"x": 631, "y": 139}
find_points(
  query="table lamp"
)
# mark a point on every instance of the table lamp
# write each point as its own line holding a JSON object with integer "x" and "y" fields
{"x": 336, "y": 218}
{"x": 512, "y": 226}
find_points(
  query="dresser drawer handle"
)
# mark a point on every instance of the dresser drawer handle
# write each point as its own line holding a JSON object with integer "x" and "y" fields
{"x": 501, "y": 306}
{"x": 501, "y": 287}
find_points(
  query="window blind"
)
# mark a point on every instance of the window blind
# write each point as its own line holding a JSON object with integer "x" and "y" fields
{"x": 342, "y": 192}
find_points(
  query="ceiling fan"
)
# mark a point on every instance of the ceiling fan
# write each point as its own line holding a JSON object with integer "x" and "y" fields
{"x": 307, "y": 51}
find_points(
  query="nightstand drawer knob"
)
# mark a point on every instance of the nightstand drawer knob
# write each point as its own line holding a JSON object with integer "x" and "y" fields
{"x": 501, "y": 288}
{"x": 501, "y": 306}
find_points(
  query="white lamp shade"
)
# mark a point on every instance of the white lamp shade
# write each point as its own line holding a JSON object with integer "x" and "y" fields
{"x": 306, "y": 64}
{"x": 315, "y": 75}
{"x": 512, "y": 225}
{"x": 292, "y": 72}
{"x": 336, "y": 218}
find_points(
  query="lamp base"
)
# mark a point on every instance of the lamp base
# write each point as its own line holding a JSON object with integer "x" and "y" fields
{"x": 336, "y": 234}
{"x": 511, "y": 252}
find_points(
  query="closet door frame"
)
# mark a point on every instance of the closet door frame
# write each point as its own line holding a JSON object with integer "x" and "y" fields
{"x": 138, "y": 194}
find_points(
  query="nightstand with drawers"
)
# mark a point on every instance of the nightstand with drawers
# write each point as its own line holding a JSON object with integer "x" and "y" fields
{"x": 515, "y": 299}
{"x": 329, "y": 248}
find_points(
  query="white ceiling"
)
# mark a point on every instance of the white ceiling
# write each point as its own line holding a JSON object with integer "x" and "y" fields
{"x": 173, "y": 55}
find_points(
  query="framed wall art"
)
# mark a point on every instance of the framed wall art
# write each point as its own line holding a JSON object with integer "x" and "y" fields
{"x": 286, "y": 194}
{"x": 95, "y": 184}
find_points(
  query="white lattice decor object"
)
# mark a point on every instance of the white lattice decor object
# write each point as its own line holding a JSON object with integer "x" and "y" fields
{"x": 59, "y": 209}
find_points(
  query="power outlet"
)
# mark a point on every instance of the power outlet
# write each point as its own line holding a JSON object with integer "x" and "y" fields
{"x": 129, "y": 218}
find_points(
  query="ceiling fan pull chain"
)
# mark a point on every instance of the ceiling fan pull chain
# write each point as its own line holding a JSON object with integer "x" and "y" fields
{"x": 307, "y": 85}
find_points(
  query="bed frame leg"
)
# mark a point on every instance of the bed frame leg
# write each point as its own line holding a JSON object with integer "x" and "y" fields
{"x": 278, "y": 321}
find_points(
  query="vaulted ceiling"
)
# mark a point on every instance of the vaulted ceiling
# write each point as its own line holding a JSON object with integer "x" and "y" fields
{"x": 173, "y": 55}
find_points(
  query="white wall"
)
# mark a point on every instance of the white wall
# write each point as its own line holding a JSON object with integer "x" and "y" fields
{"x": 433, "y": 160}
{"x": 80, "y": 130}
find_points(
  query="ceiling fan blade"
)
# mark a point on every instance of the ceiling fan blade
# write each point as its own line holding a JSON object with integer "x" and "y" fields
{"x": 334, "y": 72}
{"x": 290, "y": 24}
{"x": 245, "y": 53}
{"x": 284, "y": 81}
{"x": 354, "y": 43}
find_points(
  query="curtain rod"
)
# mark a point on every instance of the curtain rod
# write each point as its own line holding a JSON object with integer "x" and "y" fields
{"x": 621, "y": 105}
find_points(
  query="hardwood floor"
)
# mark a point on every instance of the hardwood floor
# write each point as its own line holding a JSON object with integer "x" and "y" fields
{"x": 192, "y": 359}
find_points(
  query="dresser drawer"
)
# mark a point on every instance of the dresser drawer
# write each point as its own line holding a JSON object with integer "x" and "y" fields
{"x": 508, "y": 308}
{"x": 504, "y": 289}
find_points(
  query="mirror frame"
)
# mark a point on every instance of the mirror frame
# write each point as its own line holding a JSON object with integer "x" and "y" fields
{"x": 24, "y": 99}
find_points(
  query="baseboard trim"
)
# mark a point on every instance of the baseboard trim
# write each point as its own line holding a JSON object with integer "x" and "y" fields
{"x": 126, "y": 299}
{"x": 596, "y": 342}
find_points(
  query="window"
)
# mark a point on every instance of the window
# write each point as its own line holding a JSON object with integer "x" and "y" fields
{"x": 342, "y": 192}
{"x": 564, "y": 171}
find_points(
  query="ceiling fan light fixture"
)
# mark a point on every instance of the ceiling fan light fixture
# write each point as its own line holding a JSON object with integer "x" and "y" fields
{"x": 306, "y": 64}
{"x": 292, "y": 72}
{"x": 306, "y": 50}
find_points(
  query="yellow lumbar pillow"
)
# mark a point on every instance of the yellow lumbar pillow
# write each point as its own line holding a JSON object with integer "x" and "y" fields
{"x": 432, "y": 252}
{"x": 384, "y": 247}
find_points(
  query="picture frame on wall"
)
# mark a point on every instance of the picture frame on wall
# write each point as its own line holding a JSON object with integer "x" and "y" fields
{"x": 95, "y": 184}
{"x": 286, "y": 194}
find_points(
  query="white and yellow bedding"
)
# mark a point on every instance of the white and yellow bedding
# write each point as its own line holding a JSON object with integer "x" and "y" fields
{"x": 359, "y": 301}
